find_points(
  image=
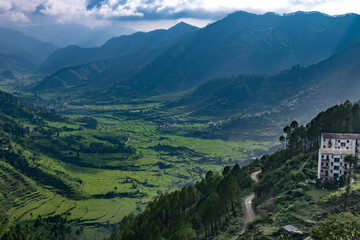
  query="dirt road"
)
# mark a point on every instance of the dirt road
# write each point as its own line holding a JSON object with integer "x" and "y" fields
{"x": 250, "y": 214}
{"x": 254, "y": 176}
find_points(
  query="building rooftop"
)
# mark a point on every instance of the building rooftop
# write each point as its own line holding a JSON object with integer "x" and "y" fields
{"x": 292, "y": 229}
{"x": 341, "y": 135}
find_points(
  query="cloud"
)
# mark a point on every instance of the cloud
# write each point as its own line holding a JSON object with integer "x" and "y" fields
{"x": 101, "y": 12}
{"x": 14, "y": 16}
{"x": 5, "y": 6}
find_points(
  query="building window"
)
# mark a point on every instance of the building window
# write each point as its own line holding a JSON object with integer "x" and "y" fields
{"x": 343, "y": 144}
{"x": 332, "y": 164}
{"x": 336, "y": 175}
{"x": 336, "y": 167}
{"x": 336, "y": 159}
{"x": 347, "y": 141}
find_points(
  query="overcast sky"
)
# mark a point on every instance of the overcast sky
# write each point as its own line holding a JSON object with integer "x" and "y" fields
{"x": 151, "y": 14}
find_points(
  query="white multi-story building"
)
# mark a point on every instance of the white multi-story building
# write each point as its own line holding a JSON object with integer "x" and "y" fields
{"x": 334, "y": 147}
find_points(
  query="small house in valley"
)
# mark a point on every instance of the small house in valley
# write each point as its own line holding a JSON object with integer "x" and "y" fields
{"x": 292, "y": 231}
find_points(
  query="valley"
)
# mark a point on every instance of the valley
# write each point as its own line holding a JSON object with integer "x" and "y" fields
{"x": 165, "y": 155}
{"x": 174, "y": 133}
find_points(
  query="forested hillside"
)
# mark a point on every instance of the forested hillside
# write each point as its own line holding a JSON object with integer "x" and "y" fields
{"x": 15, "y": 63}
{"x": 116, "y": 47}
{"x": 286, "y": 193}
{"x": 195, "y": 212}
{"x": 241, "y": 43}
{"x": 305, "y": 87}
{"x": 244, "y": 43}
{"x": 100, "y": 67}
{"x": 22, "y": 53}
{"x": 91, "y": 76}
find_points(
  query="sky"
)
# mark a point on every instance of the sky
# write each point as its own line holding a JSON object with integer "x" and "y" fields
{"x": 145, "y": 15}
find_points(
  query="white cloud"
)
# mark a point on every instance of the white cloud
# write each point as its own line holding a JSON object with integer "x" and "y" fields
{"x": 105, "y": 11}
{"x": 14, "y": 16}
{"x": 5, "y": 6}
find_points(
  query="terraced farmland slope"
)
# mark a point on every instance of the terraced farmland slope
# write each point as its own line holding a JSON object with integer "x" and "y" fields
{"x": 95, "y": 170}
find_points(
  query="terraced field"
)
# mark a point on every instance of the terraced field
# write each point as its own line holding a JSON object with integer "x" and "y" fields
{"x": 97, "y": 176}
{"x": 13, "y": 184}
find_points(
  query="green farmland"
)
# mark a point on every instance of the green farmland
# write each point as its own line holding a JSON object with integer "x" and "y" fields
{"x": 108, "y": 184}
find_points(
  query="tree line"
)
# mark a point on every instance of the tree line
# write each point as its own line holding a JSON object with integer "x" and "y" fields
{"x": 195, "y": 212}
{"x": 343, "y": 118}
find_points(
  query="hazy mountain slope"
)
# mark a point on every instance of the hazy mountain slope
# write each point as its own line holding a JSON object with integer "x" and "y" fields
{"x": 72, "y": 75}
{"x": 73, "y": 34}
{"x": 65, "y": 57}
{"x": 15, "y": 63}
{"x": 330, "y": 81}
{"x": 116, "y": 47}
{"x": 130, "y": 44}
{"x": 96, "y": 75}
{"x": 13, "y": 42}
{"x": 245, "y": 43}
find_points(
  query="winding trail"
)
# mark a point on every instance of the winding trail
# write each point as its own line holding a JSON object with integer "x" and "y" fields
{"x": 249, "y": 213}
{"x": 254, "y": 176}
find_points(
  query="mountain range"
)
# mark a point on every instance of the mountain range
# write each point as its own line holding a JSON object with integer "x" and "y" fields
{"x": 240, "y": 43}
{"x": 116, "y": 47}
{"x": 127, "y": 54}
{"x": 329, "y": 82}
{"x": 245, "y": 43}
{"x": 113, "y": 128}
{"x": 24, "y": 48}
{"x": 21, "y": 52}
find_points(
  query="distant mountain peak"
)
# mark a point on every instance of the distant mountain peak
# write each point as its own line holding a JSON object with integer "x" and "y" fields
{"x": 242, "y": 13}
{"x": 183, "y": 25}
{"x": 117, "y": 47}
